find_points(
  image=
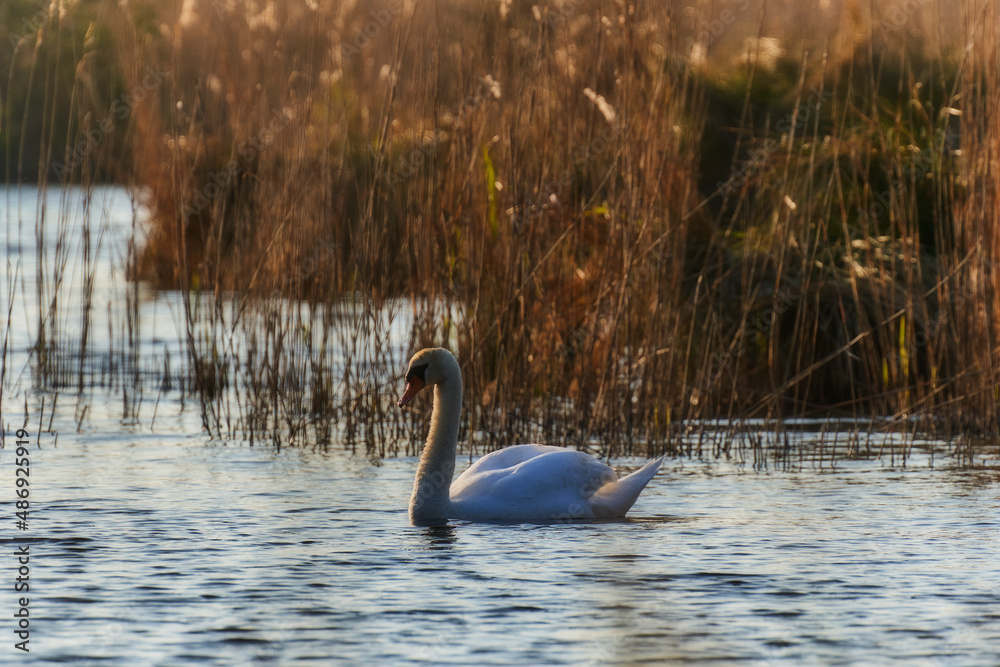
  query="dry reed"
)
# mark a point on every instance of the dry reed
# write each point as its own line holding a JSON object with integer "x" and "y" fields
{"x": 626, "y": 217}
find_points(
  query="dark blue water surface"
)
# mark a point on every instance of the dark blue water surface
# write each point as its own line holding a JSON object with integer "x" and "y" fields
{"x": 155, "y": 549}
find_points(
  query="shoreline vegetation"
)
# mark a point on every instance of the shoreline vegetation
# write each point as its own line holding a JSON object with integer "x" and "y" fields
{"x": 624, "y": 217}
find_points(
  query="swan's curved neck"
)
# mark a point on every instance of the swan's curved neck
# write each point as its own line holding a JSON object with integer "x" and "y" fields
{"x": 430, "y": 501}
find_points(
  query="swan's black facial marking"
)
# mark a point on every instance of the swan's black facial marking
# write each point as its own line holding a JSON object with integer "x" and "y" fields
{"x": 415, "y": 381}
{"x": 417, "y": 372}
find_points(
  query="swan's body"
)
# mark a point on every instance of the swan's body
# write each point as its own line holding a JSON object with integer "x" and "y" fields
{"x": 534, "y": 483}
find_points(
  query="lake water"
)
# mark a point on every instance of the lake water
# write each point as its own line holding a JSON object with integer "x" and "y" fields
{"x": 151, "y": 543}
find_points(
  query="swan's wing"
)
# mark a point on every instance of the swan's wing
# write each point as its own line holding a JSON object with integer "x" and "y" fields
{"x": 543, "y": 483}
{"x": 510, "y": 457}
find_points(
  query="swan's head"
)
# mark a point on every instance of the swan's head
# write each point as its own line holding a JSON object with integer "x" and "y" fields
{"x": 430, "y": 366}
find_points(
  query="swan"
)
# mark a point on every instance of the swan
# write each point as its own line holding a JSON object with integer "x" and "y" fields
{"x": 523, "y": 483}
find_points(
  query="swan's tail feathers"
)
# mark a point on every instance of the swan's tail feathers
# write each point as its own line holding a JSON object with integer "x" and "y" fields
{"x": 616, "y": 498}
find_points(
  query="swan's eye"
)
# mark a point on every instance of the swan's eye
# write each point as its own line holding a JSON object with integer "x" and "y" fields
{"x": 417, "y": 372}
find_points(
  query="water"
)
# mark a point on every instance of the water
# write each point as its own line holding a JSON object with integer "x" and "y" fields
{"x": 155, "y": 544}
{"x": 163, "y": 549}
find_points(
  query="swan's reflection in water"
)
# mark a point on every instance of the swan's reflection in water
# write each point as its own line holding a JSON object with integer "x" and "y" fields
{"x": 440, "y": 537}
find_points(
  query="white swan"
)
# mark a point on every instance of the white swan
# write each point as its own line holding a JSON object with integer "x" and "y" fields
{"x": 530, "y": 483}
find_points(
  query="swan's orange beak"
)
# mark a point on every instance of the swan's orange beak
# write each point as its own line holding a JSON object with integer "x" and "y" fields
{"x": 413, "y": 388}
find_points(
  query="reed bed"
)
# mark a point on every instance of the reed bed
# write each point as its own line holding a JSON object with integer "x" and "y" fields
{"x": 627, "y": 218}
